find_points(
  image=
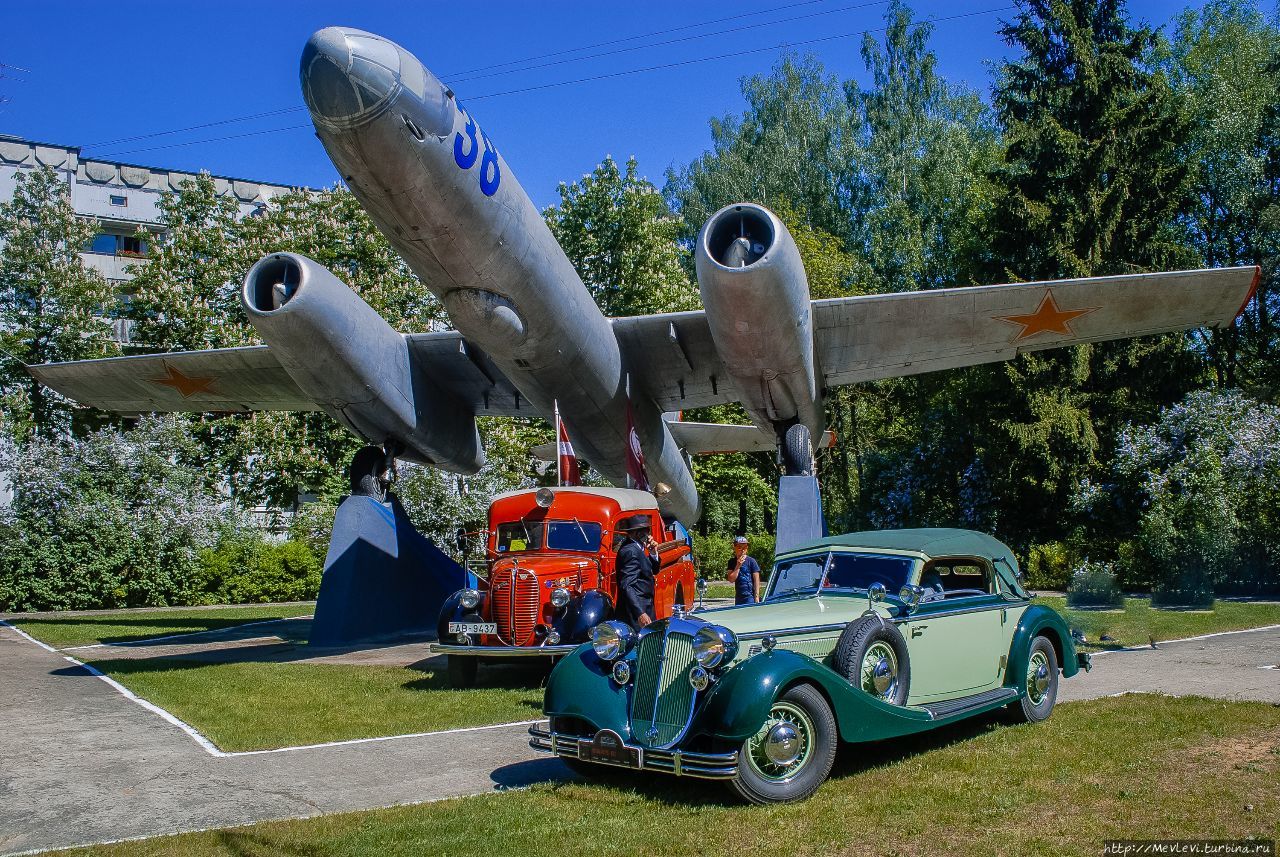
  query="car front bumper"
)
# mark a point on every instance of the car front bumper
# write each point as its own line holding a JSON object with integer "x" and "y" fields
{"x": 504, "y": 651}
{"x": 703, "y": 766}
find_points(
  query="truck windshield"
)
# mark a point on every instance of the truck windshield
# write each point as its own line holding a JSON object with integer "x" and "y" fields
{"x": 573, "y": 536}
{"x": 520, "y": 536}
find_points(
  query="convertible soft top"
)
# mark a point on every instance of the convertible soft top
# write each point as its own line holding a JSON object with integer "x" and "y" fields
{"x": 931, "y": 541}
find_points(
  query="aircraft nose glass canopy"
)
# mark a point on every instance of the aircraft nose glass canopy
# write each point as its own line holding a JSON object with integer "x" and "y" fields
{"x": 348, "y": 75}
{"x": 740, "y": 236}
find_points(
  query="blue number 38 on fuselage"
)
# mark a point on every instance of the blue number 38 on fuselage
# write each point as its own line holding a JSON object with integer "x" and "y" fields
{"x": 860, "y": 637}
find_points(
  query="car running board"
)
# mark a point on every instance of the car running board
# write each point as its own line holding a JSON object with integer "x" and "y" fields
{"x": 967, "y": 704}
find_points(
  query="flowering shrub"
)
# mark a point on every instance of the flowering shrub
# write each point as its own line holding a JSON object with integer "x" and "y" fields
{"x": 1205, "y": 481}
{"x": 1093, "y": 584}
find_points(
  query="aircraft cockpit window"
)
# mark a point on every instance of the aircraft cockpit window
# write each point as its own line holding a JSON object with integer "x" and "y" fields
{"x": 513, "y": 538}
{"x": 573, "y": 536}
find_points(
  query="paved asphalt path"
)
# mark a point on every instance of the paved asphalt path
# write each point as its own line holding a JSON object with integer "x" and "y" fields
{"x": 80, "y": 763}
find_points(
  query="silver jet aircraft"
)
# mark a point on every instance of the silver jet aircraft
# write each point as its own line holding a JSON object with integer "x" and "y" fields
{"x": 529, "y": 336}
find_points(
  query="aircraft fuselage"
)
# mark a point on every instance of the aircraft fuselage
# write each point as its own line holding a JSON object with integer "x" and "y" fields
{"x": 438, "y": 188}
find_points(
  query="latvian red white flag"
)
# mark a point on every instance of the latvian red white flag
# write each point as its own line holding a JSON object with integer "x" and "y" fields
{"x": 569, "y": 472}
{"x": 635, "y": 457}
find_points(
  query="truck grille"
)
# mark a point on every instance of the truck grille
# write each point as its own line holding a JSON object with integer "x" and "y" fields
{"x": 663, "y": 700}
{"x": 516, "y": 601}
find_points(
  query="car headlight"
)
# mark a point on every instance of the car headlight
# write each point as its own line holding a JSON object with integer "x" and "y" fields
{"x": 713, "y": 646}
{"x": 611, "y": 640}
{"x": 469, "y": 599}
{"x": 559, "y": 597}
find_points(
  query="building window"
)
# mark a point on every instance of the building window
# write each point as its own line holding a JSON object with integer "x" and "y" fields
{"x": 121, "y": 201}
{"x": 104, "y": 243}
{"x": 132, "y": 245}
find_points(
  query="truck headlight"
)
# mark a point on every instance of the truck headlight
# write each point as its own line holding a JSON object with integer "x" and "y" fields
{"x": 714, "y": 646}
{"x": 559, "y": 597}
{"x": 611, "y": 640}
{"x": 469, "y": 599}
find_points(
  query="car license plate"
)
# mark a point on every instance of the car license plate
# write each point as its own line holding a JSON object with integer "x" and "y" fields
{"x": 607, "y": 748}
{"x": 473, "y": 627}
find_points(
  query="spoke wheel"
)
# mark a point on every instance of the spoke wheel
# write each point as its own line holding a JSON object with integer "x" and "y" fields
{"x": 792, "y": 753}
{"x": 1037, "y": 677}
{"x": 1036, "y": 702}
{"x": 783, "y": 746}
{"x": 879, "y": 671}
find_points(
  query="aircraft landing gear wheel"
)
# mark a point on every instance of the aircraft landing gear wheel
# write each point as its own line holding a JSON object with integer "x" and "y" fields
{"x": 792, "y": 753}
{"x": 462, "y": 671}
{"x": 1042, "y": 684}
{"x": 797, "y": 451}
{"x": 368, "y": 472}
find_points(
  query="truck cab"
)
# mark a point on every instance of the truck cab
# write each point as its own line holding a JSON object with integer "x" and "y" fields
{"x": 550, "y": 577}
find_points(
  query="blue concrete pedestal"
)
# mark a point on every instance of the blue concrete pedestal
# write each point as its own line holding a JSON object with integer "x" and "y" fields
{"x": 381, "y": 577}
{"x": 799, "y": 512}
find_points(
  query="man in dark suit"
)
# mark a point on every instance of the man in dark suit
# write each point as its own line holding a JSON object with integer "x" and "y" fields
{"x": 636, "y": 565}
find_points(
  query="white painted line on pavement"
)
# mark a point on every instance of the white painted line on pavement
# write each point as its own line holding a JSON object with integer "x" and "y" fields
{"x": 1183, "y": 640}
{"x": 212, "y": 749}
{"x": 149, "y": 640}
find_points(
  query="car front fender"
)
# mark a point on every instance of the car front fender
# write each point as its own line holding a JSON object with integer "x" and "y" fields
{"x": 581, "y": 685}
{"x": 1039, "y": 620}
{"x": 739, "y": 703}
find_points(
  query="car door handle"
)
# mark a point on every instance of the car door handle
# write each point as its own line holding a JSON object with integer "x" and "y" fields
{"x": 917, "y": 630}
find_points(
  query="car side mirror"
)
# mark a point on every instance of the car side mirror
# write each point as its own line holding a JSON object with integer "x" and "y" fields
{"x": 910, "y": 596}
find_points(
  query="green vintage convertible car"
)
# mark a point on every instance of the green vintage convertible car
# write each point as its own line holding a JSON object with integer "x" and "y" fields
{"x": 860, "y": 637}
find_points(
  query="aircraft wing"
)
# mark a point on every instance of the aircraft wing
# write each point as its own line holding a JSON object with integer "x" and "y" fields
{"x": 870, "y": 337}
{"x": 252, "y": 379}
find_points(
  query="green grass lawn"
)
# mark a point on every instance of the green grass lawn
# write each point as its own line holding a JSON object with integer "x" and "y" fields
{"x": 128, "y": 625}
{"x": 1138, "y": 623}
{"x": 1122, "y": 768}
{"x": 256, "y": 706}
{"x": 720, "y": 590}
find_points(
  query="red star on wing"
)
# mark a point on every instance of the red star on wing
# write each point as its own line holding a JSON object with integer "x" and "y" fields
{"x": 185, "y": 385}
{"x": 1047, "y": 318}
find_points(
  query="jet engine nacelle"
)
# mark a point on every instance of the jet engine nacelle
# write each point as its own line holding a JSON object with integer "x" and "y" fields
{"x": 756, "y": 296}
{"x": 351, "y": 362}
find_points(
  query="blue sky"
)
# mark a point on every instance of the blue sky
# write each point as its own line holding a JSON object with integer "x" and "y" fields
{"x": 95, "y": 74}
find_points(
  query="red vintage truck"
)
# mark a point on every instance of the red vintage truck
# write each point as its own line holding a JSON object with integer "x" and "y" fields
{"x": 550, "y": 563}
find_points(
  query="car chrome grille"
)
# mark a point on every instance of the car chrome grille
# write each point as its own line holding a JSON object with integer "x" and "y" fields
{"x": 515, "y": 604}
{"x": 663, "y": 700}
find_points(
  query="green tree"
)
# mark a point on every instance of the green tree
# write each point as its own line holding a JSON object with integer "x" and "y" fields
{"x": 52, "y": 307}
{"x": 795, "y": 144}
{"x": 615, "y": 228}
{"x": 928, "y": 146}
{"x": 1223, "y": 61}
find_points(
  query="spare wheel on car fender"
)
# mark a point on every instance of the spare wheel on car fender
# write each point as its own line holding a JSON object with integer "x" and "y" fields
{"x": 872, "y": 655}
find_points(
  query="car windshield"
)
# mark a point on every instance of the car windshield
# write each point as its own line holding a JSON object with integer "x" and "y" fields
{"x": 573, "y": 536}
{"x": 797, "y": 575}
{"x": 860, "y": 570}
{"x": 520, "y": 536}
{"x": 839, "y": 571}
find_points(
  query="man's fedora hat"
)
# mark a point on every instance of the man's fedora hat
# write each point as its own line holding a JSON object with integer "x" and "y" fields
{"x": 635, "y": 522}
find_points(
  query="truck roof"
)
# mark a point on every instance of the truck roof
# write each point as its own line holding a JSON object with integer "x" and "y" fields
{"x": 628, "y": 499}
